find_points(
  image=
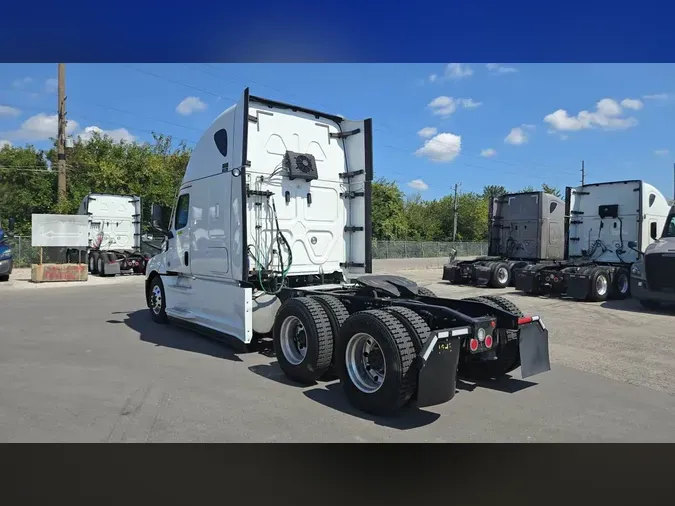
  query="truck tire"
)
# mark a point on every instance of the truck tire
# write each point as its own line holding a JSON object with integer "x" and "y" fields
{"x": 375, "y": 361}
{"x": 101, "y": 259}
{"x": 337, "y": 315}
{"x": 303, "y": 339}
{"x": 414, "y": 324}
{"x": 600, "y": 285}
{"x": 621, "y": 284}
{"x": 4, "y": 278}
{"x": 425, "y": 292}
{"x": 505, "y": 304}
{"x": 157, "y": 301}
{"x": 507, "y": 351}
{"x": 501, "y": 275}
{"x": 93, "y": 262}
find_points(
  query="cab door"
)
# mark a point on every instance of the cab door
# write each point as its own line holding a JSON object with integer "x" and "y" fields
{"x": 178, "y": 251}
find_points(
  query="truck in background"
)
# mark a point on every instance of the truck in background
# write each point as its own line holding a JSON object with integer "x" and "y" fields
{"x": 114, "y": 235}
{"x": 6, "y": 257}
{"x": 652, "y": 276}
{"x": 608, "y": 226}
{"x": 271, "y": 237}
{"x": 524, "y": 229}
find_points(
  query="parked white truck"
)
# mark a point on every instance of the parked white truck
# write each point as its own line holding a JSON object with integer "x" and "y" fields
{"x": 271, "y": 236}
{"x": 609, "y": 225}
{"x": 653, "y": 275}
{"x": 114, "y": 234}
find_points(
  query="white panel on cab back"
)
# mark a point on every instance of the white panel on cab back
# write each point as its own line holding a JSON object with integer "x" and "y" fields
{"x": 312, "y": 215}
{"x": 114, "y": 221}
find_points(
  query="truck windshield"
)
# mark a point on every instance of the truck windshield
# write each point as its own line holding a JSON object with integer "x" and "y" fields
{"x": 669, "y": 230}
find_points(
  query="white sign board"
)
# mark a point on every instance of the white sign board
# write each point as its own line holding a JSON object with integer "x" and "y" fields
{"x": 60, "y": 230}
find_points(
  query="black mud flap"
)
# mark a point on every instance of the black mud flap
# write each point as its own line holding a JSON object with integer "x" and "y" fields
{"x": 577, "y": 286}
{"x": 524, "y": 280}
{"x": 482, "y": 275}
{"x": 437, "y": 362}
{"x": 533, "y": 342}
{"x": 450, "y": 272}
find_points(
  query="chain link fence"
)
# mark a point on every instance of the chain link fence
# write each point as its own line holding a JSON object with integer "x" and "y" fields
{"x": 25, "y": 254}
{"x": 426, "y": 249}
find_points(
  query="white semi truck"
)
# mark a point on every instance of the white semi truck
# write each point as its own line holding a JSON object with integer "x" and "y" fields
{"x": 609, "y": 226}
{"x": 114, "y": 234}
{"x": 270, "y": 235}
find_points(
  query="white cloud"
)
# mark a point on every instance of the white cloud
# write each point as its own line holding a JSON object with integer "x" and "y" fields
{"x": 4, "y": 143}
{"x": 22, "y": 82}
{"x": 9, "y": 112}
{"x": 427, "y": 132}
{"x": 418, "y": 184}
{"x": 51, "y": 85}
{"x": 488, "y": 153}
{"x": 445, "y": 106}
{"x": 452, "y": 71}
{"x": 661, "y": 152}
{"x": 657, "y": 96}
{"x": 457, "y": 71}
{"x": 607, "y": 116}
{"x": 40, "y": 128}
{"x": 118, "y": 135}
{"x": 443, "y": 147}
{"x": 632, "y": 103}
{"x": 189, "y": 105}
{"x": 517, "y": 136}
{"x": 496, "y": 68}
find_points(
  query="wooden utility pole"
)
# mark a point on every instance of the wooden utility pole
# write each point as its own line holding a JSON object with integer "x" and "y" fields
{"x": 454, "y": 205}
{"x": 583, "y": 174}
{"x": 61, "y": 137}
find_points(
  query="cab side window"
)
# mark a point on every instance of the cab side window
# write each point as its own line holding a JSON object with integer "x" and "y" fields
{"x": 182, "y": 211}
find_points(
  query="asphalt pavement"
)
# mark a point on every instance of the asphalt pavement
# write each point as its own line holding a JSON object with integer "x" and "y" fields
{"x": 87, "y": 364}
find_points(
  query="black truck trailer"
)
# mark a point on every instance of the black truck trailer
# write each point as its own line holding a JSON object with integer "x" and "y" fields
{"x": 524, "y": 229}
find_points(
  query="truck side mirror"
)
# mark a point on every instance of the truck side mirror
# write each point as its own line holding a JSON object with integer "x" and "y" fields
{"x": 157, "y": 216}
{"x": 10, "y": 227}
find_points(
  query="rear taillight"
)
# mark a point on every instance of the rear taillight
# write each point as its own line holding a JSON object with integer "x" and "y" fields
{"x": 524, "y": 320}
{"x": 488, "y": 341}
{"x": 473, "y": 345}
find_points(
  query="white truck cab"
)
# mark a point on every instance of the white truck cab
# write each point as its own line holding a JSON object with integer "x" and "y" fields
{"x": 270, "y": 235}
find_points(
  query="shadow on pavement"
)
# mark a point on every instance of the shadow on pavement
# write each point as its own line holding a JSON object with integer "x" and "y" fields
{"x": 506, "y": 384}
{"x": 332, "y": 397}
{"x": 170, "y": 336}
{"x": 273, "y": 372}
{"x": 633, "y": 306}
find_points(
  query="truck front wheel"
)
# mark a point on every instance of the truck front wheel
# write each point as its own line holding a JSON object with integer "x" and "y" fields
{"x": 157, "y": 301}
{"x": 303, "y": 340}
{"x": 375, "y": 360}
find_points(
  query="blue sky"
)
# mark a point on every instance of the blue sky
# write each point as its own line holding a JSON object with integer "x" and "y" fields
{"x": 435, "y": 124}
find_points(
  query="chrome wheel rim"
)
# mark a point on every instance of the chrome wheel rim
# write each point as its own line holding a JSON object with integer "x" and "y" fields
{"x": 92, "y": 264}
{"x": 366, "y": 365}
{"x": 156, "y": 301}
{"x": 502, "y": 275}
{"x": 293, "y": 340}
{"x": 601, "y": 285}
{"x": 623, "y": 284}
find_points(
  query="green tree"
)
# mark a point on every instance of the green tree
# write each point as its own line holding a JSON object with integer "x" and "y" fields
{"x": 491, "y": 191}
{"x": 552, "y": 190}
{"x": 389, "y": 220}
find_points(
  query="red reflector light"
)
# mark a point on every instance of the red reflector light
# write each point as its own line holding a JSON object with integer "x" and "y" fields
{"x": 524, "y": 320}
{"x": 473, "y": 345}
{"x": 488, "y": 341}
{"x": 493, "y": 324}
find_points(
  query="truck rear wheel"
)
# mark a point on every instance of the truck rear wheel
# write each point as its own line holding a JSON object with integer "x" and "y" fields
{"x": 599, "y": 288}
{"x": 501, "y": 276}
{"x": 507, "y": 350}
{"x": 303, "y": 339}
{"x": 337, "y": 314}
{"x": 375, "y": 361}
{"x": 621, "y": 284}
{"x": 93, "y": 262}
{"x": 425, "y": 292}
